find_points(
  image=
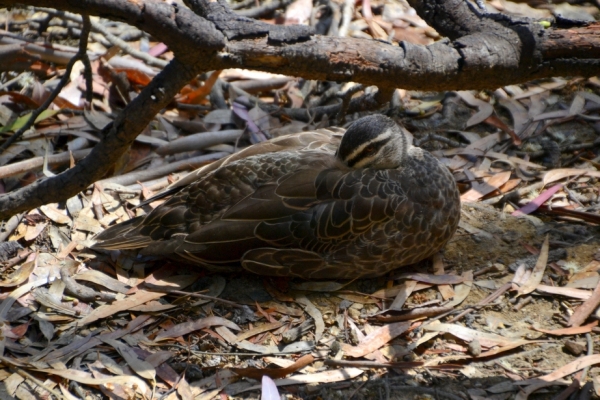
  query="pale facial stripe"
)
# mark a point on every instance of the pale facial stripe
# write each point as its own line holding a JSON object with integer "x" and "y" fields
{"x": 384, "y": 136}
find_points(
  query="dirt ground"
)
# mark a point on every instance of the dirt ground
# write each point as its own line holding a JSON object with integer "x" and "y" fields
{"x": 500, "y": 243}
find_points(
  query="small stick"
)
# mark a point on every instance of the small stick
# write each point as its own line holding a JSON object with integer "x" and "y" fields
{"x": 503, "y": 289}
{"x": 201, "y": 296}
{"x": 373, "y": 364}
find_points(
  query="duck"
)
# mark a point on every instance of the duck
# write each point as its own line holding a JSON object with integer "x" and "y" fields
{"x": 323, "y": 204}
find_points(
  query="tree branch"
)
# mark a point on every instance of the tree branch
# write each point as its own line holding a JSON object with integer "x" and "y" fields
{"x": 118, "y": 136}
{"x": 486, "y": 50}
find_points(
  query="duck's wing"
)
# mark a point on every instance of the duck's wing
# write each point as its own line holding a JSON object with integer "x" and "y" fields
{"x": 222, "y": 208}
{"x": 326, "y": 140}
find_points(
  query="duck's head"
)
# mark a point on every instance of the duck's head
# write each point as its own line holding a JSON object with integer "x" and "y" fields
{"x": 376, "y": 142}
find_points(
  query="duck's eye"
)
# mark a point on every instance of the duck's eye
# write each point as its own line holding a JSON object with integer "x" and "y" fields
{"x": 369, "y": 149}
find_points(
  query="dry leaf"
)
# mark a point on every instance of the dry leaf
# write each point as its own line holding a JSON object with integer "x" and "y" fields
{"x": 433, "y": 279}
{"x": 141, "y": 367}
{"x": 485, "y": 109}
{"x": 538, "y": 271}
{"x": 586, "y": 309}
{"x": 82, "y": 377}
{"x": 575, "y": 330}
{"x": 127, "y": 303}
{"x": 467, "y": 334}
{"x": 19, "y": 276}
{"x": 489, "y": 185}
{"x": 438, "y": 266}
{"x": 377, "y": 339}
{"x": 191, "y": 326}
{"x": 558, "y": 174}
{"x": 259, "y": 329}
{"x": 55, "y": 215}
{"x": 321, "y": 377}
{"x": 462, "y": 290}
{"x": 537, "y": 202}
{"x": 565, "y": 291}
{"x": 275, "y": 373}
{"x": 565, "y": 370}
{"x": 404, "y": 292}
{"x": 315, "y": 314}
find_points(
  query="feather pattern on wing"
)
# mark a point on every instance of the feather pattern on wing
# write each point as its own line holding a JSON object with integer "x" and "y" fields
{"x": 292, "y": 207}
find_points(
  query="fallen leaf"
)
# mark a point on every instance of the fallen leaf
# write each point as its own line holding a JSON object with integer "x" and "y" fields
{"x": 565, "y": 291}
{"x": 321, "y": 377}
{"x": 319, "y": 286}
{"x": 565, "y": 370}
{"x": 575, "y": 330}
{"x": 404, "y": 292}
{"x": 314, "y": 313}
{"x": 377, "y": 339}
{"x": 33, "y": 231}
{"x": 485, "y": 109}
{"x": 82, "y": 377}
{"x": 462, "y": 290}
{"x": 191, "y": 326}
{"x": 438, "y": 266}
{"x": 55, "y": 214}
{"x": 586, "y": 309}
{"x": 537, "y": 202}
{"x": 433, "y": 279}
{"x": 467, "y": 334}
{"x": 558, "y": 174}
{"x": 498, "y": 123}
{"x": 259, "y": 329}
{"x": 127, "y": 303}
{"x": 141, "y": 367}
{"x": 489, "y": 185}
{"x": 538, "y": 271}
{"x": 275, "y": 373}
{"x": 19, "y": 276}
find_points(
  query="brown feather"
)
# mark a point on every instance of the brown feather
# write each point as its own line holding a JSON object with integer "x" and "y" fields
{"x": 289, "y": 206}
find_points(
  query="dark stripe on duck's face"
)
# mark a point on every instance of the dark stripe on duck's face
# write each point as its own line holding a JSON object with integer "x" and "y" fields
{"x": 370, "y": 150}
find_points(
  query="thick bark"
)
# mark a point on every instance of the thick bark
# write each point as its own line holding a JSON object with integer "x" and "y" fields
{"x": 482, "y": 51}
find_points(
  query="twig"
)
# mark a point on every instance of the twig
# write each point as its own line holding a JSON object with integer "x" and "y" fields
{"x": 262, "y": 85}
{"x": 199, "y": 141}
{"x": 152, "y": 173}
{"x": 503, "y": 289}
{"x": 36, "y": 163}
{"x": 346, "y": 97}
{"x": 123, "y": 45}
{"x": 590, "y": 351}
{"x": 439, "y": 138}
{"x": 347, "y": 14}
{"x": 201, "y": 296}
{"x": 373, "y": 364}
{"x": 220, "y": 353}
{"x": 264, "y": 9}
{"x": 39, "y": 383}
{"x": 80, "y": 55}
{"x": 435, "y": 392}
{"x": 85, "y": 59}
{"x": 517, "y": 193}
{"x": 10, "y": 226}
{"x": 15, "y": 260}
{"x": 367, "y": 102}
